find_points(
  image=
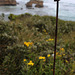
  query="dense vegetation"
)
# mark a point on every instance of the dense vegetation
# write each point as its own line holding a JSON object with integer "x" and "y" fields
{"x": 27, "y": 46}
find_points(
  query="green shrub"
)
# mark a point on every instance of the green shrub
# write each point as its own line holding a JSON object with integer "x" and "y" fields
{"x": 12, "y": 17}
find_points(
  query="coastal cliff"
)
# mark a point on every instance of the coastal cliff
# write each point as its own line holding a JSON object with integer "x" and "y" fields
{"x": 7, "y": 2}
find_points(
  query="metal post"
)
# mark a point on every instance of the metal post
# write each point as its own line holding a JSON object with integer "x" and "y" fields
{"x": 55, "y": 37}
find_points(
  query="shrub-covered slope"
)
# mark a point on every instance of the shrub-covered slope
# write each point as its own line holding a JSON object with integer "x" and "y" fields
{"x": 27, "y": 46}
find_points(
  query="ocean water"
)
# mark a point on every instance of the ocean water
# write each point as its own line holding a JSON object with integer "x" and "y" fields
{"x": 66, "y": 9}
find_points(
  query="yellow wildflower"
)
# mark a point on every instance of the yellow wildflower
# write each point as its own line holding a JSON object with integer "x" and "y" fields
{"x": 27, "y": 44}
{"x": 50, "y": 39}
{"x": 62, "y": 48}
{"x": 30, "y": 61}
{"x": 66, "y": 61}
{"x": 25, "y": 60}
{"x": 40, "y": 57}
{"x": 48, "y": 55}
{"x": 43, "y": 57}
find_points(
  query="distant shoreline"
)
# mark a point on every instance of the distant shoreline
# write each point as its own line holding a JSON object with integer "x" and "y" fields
{"x": 66, "y": 9}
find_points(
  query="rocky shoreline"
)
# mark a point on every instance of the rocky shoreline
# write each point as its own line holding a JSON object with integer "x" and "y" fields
{"x": 8, "y": 2}
{"x": 38, "y": 3}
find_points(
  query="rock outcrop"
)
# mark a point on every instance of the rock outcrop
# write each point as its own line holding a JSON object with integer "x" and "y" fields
{"x": 39, "y": 3}
{"x": 7, "y": 2}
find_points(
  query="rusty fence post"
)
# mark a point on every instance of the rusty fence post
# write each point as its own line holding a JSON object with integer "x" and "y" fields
{"x": 56, "y": 30}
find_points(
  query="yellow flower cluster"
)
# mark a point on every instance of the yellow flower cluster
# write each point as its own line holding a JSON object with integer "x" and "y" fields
{"x": 28, "y": 43}
{"x": 59, "y": 54}
{"x": 42, "y": 57}
{"x": 31, "y": 63}
{"x": 50, "y": 40}
{"x": 62, "y": 49}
